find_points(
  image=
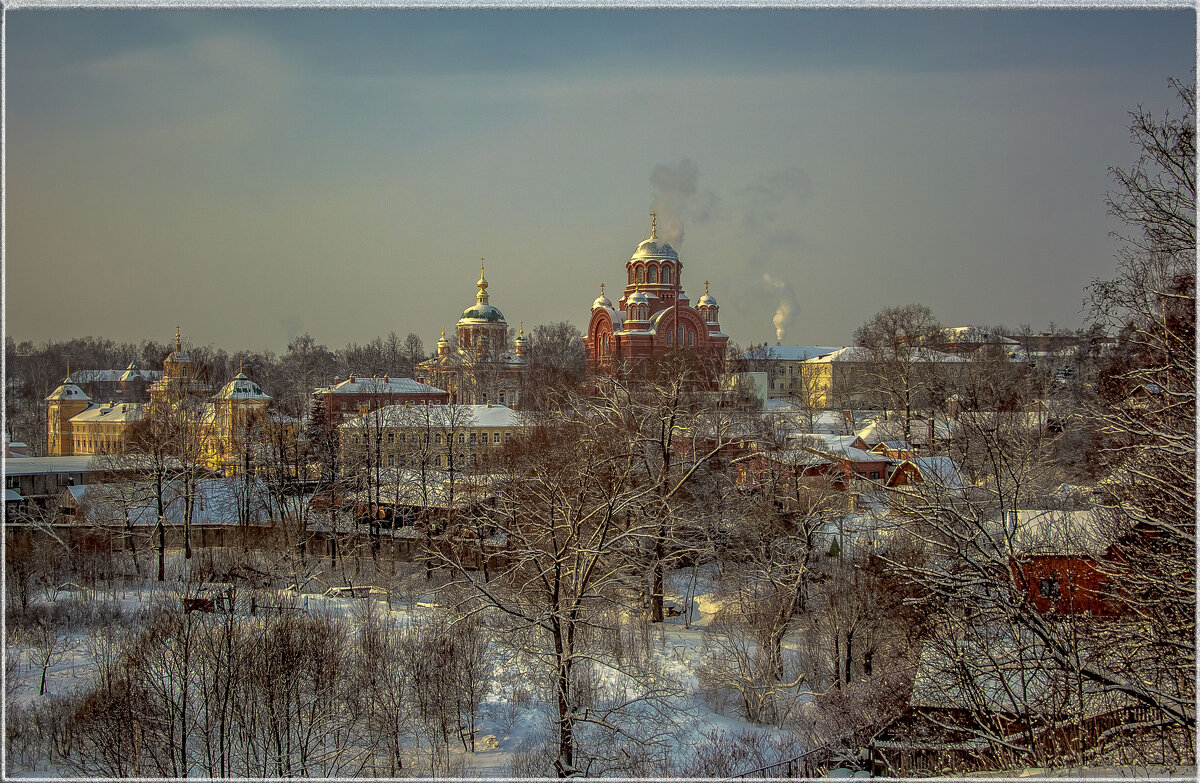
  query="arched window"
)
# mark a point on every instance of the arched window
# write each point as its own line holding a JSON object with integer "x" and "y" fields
{"x": 666, "y": 274}
{"x": 669, "y": 340}
{"x": 691, "y": 338}
{"x": 652, "y": 275}
{"x": 640, "y": 273}
{"x": 631, "y": 274}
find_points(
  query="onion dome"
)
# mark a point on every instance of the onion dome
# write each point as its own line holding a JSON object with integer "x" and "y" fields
{"x": 637, "y": 298}
{"x": 481, "y": 310}
{"x": 602, "y": 300}
{"x": 521, "y": 343}
{"x": 708, "y": 300}
{"x": 178, "y": 356}
{"x": 242, "y": 388}
{"x": 654, "y": 247}
{"x": 69, "y": 391}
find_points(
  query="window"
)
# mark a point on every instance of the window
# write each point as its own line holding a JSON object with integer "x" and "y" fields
{"x": 473, "y": 437}
{"x": 438, "y": 460}
{"x": 652, "y": 275}
{"x": 507, "y": 437}
{"x": 640, "y": 273}
{"x": 666, "y": 274}
{"x": 438, "y": 438}
{"x": 391, "y": 462}
{"x": 495, "y": 437}
{"x": 391, "y": 437}
{"x": 462, "y": 437}
{"x": 874, "y": 474}
{"x": 12, "y": 482}
{"x": 691, "y": 338}
{"x": 1050, "y": 588}
{"x": 669, "y": 340}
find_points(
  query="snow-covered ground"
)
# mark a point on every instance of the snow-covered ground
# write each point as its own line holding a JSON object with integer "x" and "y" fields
{"x": 1094, "y": 773}
{"x": 511, "y": 720}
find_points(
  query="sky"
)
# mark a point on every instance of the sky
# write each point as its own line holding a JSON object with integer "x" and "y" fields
{"x": 253, "y": 175}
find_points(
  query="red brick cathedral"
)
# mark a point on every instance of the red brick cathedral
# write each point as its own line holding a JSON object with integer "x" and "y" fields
{"x": 654, "y": 316}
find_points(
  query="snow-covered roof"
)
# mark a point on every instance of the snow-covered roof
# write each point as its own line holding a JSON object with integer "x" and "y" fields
{"x": 134, "y": 373}
{"x": 130, "y": 373}
{"x": 217, "y": 502}
{"x": 482, "y": 312}
{"x": 976, "y": 334}
{"x": 116, "y": 413}
{"x": 856, "y": 353}
{"x": 242, "y": 388}
{"x": 440, "y": 417}
{"x": 1000, "y": 670}
{"x": 31, "y": 466}
{"x": 68, "y": 391}
{"x": 654, "y": 248}
{"x": 878, "y": 429}
{"x": 842, "y": 446}
{"x": 406, "y": 489}
{"x": 1057, "y": 532}
{"x": 798, "y": 353}
{"x": 385, "y": 385}
{"x": 938, "y": 473}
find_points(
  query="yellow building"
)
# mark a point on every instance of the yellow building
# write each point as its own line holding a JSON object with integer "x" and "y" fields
{"x": 436, "y": 436}
{"x": 64, "y": 404}
{"x": 77, "y": 426}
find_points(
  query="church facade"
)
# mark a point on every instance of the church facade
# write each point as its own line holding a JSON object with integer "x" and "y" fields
{"x": 654, "y": 316}
{"x": 478, "y": 367}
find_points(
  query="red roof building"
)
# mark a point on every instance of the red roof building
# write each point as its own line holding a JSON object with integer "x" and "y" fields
{"x": 653, "y": 316}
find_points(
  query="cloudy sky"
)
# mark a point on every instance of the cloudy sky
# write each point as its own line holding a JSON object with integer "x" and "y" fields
{"x": 252, "y": 175}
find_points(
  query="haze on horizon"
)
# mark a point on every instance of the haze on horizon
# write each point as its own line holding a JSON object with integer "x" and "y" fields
{"x": 253, "y": 175}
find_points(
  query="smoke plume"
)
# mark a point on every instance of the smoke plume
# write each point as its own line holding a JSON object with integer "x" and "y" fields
{"x": 676, "y": 196}
{"x": 787, "y": 304}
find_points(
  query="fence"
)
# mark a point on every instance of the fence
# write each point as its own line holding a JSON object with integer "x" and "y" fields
{"x": 810, "y": 764}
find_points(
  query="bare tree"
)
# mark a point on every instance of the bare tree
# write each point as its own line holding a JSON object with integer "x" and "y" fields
{"x": 564, "y": 497}
{"x": 306, "y": 366}
{"x": 899, "y": 362}
{"x": 412, "y": 353}
{"x": 675, "y": 427}
{"x": 1147, "y": 406}
{"x": 49, "y": 643}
